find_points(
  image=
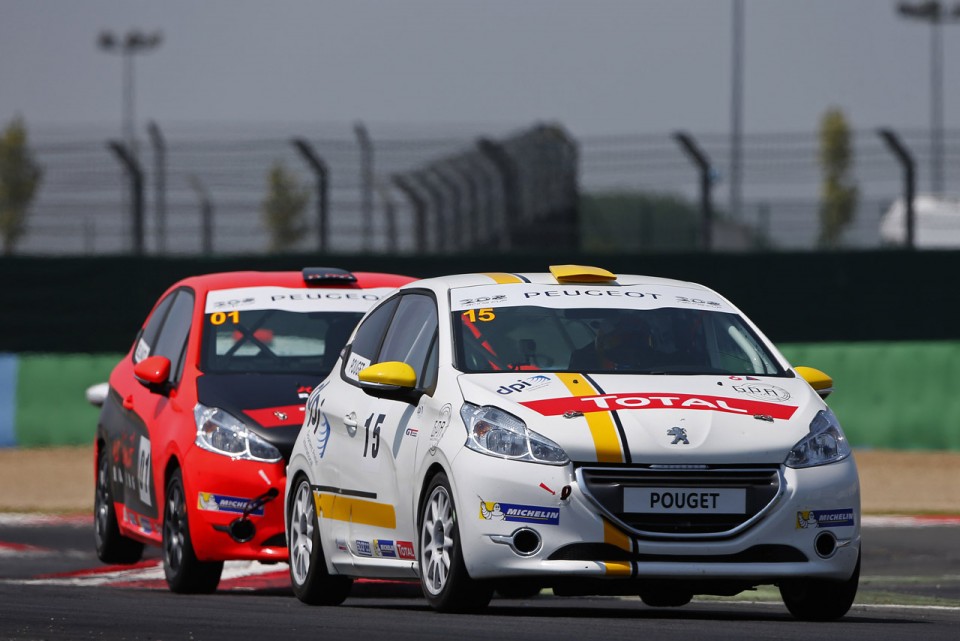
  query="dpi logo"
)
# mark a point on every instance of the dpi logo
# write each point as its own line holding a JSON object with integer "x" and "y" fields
{"x": 534, "y": 382}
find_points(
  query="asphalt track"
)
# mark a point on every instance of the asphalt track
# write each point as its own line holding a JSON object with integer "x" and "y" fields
{"x": 53, "y": 587}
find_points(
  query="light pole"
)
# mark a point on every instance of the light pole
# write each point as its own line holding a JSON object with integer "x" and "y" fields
{"x": 936, "y": 14}
{"x": 132, "y": 43}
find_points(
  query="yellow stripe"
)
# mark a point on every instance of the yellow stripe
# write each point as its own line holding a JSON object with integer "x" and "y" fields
{"x": 502, "y": 278}
{"x": 345, "y": 508}
{"x": 618, "y": 568}
{"x": 614, "y": 536}
{"x": 602, "y": 427}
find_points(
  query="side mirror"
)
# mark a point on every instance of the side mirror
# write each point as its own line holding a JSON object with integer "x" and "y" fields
{"x": 820, "y": 382}
{"x": 391, "y": 379}
{"x": 153, "y": 373}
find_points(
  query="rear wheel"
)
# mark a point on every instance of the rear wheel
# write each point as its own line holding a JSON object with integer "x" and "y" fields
{"x": 112, "y": 547}
{"x": 311, "y": 581}
{"x": 184, "y": 572}
{"x": 819, "y": 599}
{"x": 443, "y": 575}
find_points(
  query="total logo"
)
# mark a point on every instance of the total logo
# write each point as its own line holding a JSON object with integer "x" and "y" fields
{"x": 525, "y": 384}
{"x": 405, "y": 550}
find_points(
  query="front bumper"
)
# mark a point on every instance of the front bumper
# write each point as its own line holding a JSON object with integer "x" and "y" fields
{"x": 498, "y": 499}
{"x": 217, "y": 489}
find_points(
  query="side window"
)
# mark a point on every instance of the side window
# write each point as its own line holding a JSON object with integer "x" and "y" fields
{"x": 369, "y": 337}
{"x": 148, "y": 337}
{"x": 411, "y": 334}
{"x": 172, "y": 341}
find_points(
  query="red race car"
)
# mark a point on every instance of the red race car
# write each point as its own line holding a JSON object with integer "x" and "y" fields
{"x": 200, "y": 417}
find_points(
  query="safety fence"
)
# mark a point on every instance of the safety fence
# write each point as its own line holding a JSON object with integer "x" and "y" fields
{"x": 390, "y": 190}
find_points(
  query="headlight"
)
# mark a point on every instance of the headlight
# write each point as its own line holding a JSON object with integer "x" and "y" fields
{"x": 220, "y": 432}
{"x": 824, "y": 444}
{"x": 494, "y": 432}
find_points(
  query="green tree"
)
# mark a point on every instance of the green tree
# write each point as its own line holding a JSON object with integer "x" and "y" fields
{"x": 283, "y": 208}
{"x": 19, "y": 178}
{"x": 838, "y": 197}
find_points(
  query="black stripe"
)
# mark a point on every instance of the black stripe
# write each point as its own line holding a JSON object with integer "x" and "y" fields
{"x": 526, "y": 280}
{"x": 329, "y": 489}
{"x": 616, "y": 421}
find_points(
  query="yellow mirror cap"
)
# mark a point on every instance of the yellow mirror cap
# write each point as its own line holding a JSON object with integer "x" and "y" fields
{"x": 817, "y": 379}
{"x": 581, "y": 274}
{"x": 389, "y": 373}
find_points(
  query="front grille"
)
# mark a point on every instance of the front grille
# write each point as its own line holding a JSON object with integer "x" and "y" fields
{"x": 761, "y": 486}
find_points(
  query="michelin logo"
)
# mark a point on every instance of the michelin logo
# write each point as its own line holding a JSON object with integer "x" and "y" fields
{"x": 824, "y": 518}
{"x": 220, "y": 503}
{"x": 525, "y": 384}
{"x": 497, "y": 511}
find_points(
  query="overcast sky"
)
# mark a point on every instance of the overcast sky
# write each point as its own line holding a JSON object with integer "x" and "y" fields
{"x": 597, "y": 66}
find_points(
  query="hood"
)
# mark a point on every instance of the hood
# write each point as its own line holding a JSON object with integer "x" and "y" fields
{"x": 619, "y": 418}
{"x": 271, "y": 405}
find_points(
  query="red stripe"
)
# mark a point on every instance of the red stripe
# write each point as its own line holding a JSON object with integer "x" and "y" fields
{"x": 658, "y": 401}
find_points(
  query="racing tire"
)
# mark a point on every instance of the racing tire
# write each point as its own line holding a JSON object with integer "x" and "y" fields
{"x": 112, "y": 547}
{"x": 311, "y": 580}
{"x": 443, "y": 576}
{"x": 820, "y": 599}
{"x": 185, "y": 573}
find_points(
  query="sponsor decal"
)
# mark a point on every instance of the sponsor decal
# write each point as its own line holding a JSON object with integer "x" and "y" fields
{"x": 440, "y": 426}
{"x": 356, "y": 364}
{"x": 592, "y": 292}
{"x": 405, "y": 550}
{"x": 384, "y": 549}
{"x": 140, "y": 522}
{"x": 142, "y": 351}
{"x": 699, "y": 302}
{"x": 144, "y": 472}
{"x": 824, "y": 518}
{"x": 210, "y": 502}
{"x": 483, "y": 300}
{"x": 363, "y": 548}
{"x": 292, "y": 299}
{"x": 411, "y": 431}
{"x": 321, "y": 426}
{"x": 647, "y": 401}
{"x": 679, "y": 436}
{"x": 342, "y": 545}
{"x": 763, "y": 392}
{"x": 544, "y": 486}
{"x": 498, "y": 511}
{"x": 525, "y": 384}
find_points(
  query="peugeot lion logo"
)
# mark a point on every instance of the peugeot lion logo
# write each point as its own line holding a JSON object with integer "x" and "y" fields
{"x": 679, "y": 435}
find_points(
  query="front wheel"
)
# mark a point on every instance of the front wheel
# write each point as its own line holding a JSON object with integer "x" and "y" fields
{"x": 312, "y": 582}
{"x": 819, "y": 599}
{"x": 443, "y": 575}
{"x": 112, "y": 547}
{"x": 184, "y": 572}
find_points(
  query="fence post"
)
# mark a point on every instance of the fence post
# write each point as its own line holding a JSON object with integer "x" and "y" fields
{"x": 404, "y": 184}
{"x": 909, "y": 181}
{"x": 702, "y": 162}
{"x": 136, "y": 188}
{"x": 511, "y": 188}
{"x": 206, "y": 215}
{"x": 159, "y": 184}
{"x": 322, "y": 173}
{"x": 366, "y": 184}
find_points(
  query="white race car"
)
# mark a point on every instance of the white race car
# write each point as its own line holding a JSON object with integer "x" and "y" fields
{"x": 573, "y": 430}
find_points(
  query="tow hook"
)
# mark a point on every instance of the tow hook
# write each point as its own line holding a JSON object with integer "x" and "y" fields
{"x": 242, "y": 529}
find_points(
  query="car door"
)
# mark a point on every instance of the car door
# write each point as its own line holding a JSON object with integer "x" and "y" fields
{"x": 391, "y": 430}
{"x": 130, "y": 412}
{"x": 340, "y": 408}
